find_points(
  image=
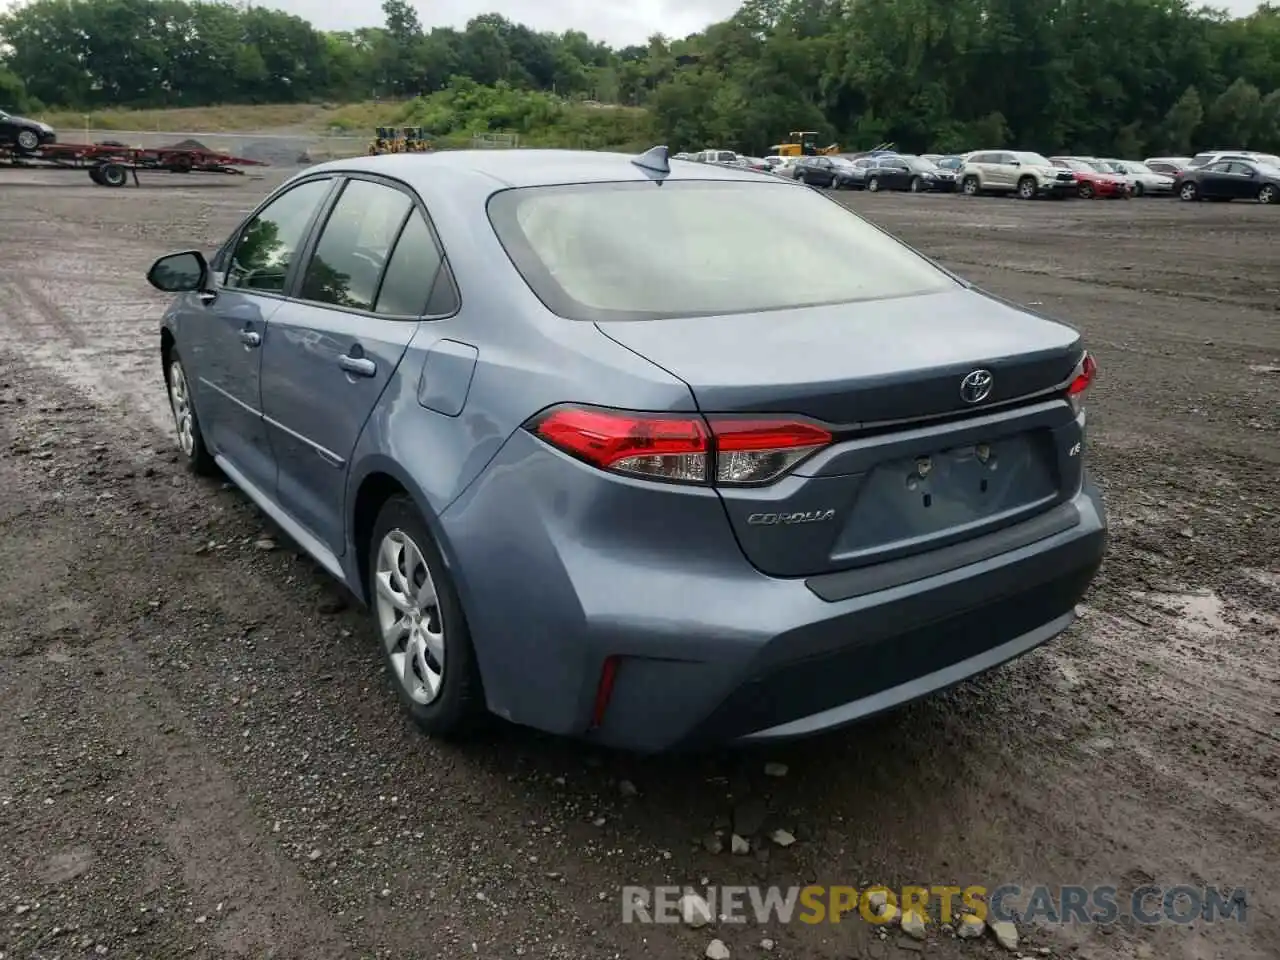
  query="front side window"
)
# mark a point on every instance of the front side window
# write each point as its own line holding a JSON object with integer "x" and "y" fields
{"x": 268, "y": 244}
{"x": 637, "y": 251}
{"x": 355, "y": 244}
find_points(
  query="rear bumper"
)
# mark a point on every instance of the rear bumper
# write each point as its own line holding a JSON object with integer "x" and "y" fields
{"x": 560, "y": 571}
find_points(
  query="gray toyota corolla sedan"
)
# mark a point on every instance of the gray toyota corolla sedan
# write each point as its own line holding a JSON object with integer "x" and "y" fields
{"x": 604, "y": 461}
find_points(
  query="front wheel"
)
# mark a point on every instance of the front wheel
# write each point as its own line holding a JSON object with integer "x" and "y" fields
{"x": 1138, "y": 188}
{"x": 1268, "y": 194}
{"x": 1086, "y": 191}
{"x": 1189, "y": 192}
{"x": 916, "y": 185}
{"x": 425, "y": 641}
{"x": 1027, "y": 188}
{"x": 190, "y": 438}
{"x": 874, "y": 184}
{"x": 28, "y": 141}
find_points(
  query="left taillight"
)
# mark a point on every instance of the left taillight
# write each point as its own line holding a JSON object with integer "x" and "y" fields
{"x": 1081, "y": 379}
{"x": 682, "y": 448}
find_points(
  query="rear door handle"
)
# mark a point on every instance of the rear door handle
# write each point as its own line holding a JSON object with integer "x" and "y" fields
{"x": 250, "y": 338}
{"x": 358, "y": 366}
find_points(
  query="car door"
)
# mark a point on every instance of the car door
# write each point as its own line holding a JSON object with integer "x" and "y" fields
{"x": 1004, "y": 172}
{"x": 222, "y": 331}
{"x": 1214, "y": 179}
{"x": 1242, "y": 181}
{"x": 334, "y": 346}
{"x": 984, "y": 165}
{"x": 899, "y": 174}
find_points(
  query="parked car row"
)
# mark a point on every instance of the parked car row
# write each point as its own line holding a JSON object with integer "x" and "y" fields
{"x": 1211, "y": 175}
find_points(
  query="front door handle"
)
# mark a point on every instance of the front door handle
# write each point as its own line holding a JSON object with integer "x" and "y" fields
{"x": 358, "y": 366}
{"x": 251, "y": 338}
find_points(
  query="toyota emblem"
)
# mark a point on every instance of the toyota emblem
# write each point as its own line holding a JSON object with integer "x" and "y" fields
{"x": 976, "y": 387}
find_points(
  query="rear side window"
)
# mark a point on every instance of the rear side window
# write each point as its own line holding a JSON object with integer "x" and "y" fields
{"x": 355, "y": 244}
{"x": 636, "y": 251}
{"x": 411, "y": 272}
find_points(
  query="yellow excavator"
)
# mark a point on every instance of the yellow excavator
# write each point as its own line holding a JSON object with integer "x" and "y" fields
{"x": 803, "y": 143}
{"x": 399, "y": 140}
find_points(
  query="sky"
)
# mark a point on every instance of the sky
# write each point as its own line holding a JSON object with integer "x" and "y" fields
{"x": 618, "y": 22}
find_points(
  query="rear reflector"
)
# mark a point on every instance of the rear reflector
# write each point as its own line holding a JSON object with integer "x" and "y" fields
{"x": 604, "y": 690}
{"x": 682, "y": 448}
{"x": 1085, "y": 372}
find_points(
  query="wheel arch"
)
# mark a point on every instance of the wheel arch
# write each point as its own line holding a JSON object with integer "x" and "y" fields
{"x": 377, "y": 481}
{"x": 167, "y": 344}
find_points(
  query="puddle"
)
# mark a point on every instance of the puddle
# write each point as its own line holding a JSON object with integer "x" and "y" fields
{"x": 1201, "y": 612}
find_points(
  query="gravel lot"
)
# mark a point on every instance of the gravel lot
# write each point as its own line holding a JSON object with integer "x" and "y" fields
{"x": 199, "y": 755}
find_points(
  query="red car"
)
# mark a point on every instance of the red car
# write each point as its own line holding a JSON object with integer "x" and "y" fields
{"x": 1093, "y": 179}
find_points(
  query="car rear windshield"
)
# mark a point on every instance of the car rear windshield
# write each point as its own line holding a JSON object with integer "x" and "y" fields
{"x": 651, "y": 250}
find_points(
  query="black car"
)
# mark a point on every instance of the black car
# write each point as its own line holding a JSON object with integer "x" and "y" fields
{"x": 908, "y": 172}
{"x": 849, "y": 174}
{"x": 815, "y": 171}
{"x": 23, "y": 135}
{"x": 1230, "y": 180}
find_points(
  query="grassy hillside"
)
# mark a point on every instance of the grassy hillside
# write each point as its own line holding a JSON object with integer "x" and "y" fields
{"x": 302, "y": 117}
{"x": 453, "y": 115}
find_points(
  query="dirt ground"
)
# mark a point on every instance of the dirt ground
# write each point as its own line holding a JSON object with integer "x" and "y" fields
{"x": 200, "y": 757}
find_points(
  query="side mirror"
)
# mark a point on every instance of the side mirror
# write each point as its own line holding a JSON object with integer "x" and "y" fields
{"x": 185, "y": 272}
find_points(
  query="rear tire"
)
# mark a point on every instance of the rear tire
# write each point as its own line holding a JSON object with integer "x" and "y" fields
{"x": 425, "y": 642}
{"x": 874, "y": 184}
{"x": 970, "y": 186}
{"x": 1189, "y": 192}
{"x": 95, "y": 174}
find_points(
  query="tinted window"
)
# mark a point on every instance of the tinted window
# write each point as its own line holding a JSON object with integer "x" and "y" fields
{"x": 355, "y": 244}
{"x": 633, "y": 251}
{"x": 411, "y": 271}
{"x": 269, "y": 243}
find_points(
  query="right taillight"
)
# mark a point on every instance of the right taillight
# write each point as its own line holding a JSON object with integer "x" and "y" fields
{"x": 724, "y": 450}
{"x": 1081, "y": 379}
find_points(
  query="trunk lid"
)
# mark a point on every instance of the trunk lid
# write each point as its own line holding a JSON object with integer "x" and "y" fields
{"x": 914, "y": 465}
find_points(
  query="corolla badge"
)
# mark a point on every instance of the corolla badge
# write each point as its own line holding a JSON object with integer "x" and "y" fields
{"x": 976, "y": 387}
{"x": 806, "y": 516}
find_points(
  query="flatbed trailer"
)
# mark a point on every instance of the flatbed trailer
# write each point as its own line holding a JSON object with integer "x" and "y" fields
{"x": 113, "y": 164}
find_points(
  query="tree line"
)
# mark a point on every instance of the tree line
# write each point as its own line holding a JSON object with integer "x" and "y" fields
{"x": 1124, "y": 77}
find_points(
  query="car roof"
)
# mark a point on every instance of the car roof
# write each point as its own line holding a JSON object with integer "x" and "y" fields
{"x": 492, "y": 170}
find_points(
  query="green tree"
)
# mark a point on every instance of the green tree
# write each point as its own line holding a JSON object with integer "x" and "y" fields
{"x": 1182, "y": 121}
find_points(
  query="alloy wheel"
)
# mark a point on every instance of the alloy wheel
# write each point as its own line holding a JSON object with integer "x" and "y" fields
{"x": 409, "y": 617}
{"x": 180, "y": 402}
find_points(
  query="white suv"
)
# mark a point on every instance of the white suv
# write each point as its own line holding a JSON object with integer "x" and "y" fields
{"x": 1029, "y": 175}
